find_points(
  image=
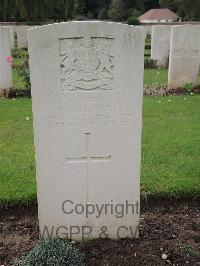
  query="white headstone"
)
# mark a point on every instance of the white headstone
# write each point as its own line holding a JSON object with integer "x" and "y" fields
{"x": 160, "y": 44}
{"x": 22, "y": 36}
{"x": 5, "y": 55}
{"x": 148, "y": 29}
{"x": 87, "y": 86}
{"x": 12, "y": 39}
{"x": 184, "y": 55}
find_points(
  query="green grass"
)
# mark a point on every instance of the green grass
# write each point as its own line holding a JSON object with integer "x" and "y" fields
{"x": 17, "y": 171}
{"x": 171, "y": 146}
{"x": 159, "y": 77}
{"x": 170, "y": 149}
{"x": 155, "y": 77}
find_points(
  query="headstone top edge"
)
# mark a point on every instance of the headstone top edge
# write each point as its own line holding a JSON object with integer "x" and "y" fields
{"x": 55, "y": 25}
{"x": 184, "y": 26}
{"x": 4, "y": 28}
{"x": 161, "y": 26}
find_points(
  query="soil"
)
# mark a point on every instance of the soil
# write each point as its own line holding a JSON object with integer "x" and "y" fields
{"x": 165, "y": 91}
{"x": 169, "y": 235}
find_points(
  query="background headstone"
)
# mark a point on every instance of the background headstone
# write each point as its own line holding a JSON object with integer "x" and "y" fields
{"x": 87, "y": 86}
{"x": 5, "y": 55}
{"x": 148, "y": 29}
{"x": 160, "y": 44}
{"x": 22, "y": 40}
{"x": 184, "y": 55}
{"x": 11, "y": 33}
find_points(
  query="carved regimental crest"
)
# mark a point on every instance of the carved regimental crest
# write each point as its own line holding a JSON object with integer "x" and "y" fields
{"x": 86, "y": 64}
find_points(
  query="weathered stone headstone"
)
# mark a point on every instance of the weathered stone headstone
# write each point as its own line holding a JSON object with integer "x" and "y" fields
{"x": 11, "y": 34}
{"x": 87, "y": 86}
{"x": 5, "y": 55}
{"x": 160, "y": 44}
{"x": 22, "y": 40}
{"x": 184, "y": 55}
{"x": 148, "y": 29}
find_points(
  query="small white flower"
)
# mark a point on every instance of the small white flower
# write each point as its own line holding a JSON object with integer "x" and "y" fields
{"x": 169, "y": 100}
{"x": 27, "y": 118}
{"x": 14, "y": 99}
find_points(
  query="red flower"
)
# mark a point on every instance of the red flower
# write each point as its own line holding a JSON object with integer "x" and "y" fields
{"x": 9, "y": 59}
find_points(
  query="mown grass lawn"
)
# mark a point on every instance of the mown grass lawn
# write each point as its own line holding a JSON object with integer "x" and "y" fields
{"x": 159, "y": 77}
{"x": 170, "y": 148}
{"x": 17, "y": 166}
{"x": 155, "y": 77}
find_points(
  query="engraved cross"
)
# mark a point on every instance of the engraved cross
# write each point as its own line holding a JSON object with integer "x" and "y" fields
{"x": 87, "y": 158}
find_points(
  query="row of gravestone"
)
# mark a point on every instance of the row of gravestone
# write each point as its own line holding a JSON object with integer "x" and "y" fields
{"x": 7, "y": 42}
{"x": 87, "y": 88}
{"x": 180, "y": 47}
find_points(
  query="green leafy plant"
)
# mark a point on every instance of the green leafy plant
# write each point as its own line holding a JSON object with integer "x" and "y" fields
{"x": 21, "y": 65}
{"x": 191, "y": 250}
{"x": 188, "y": 87}
{"x": 57, "y": 252}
